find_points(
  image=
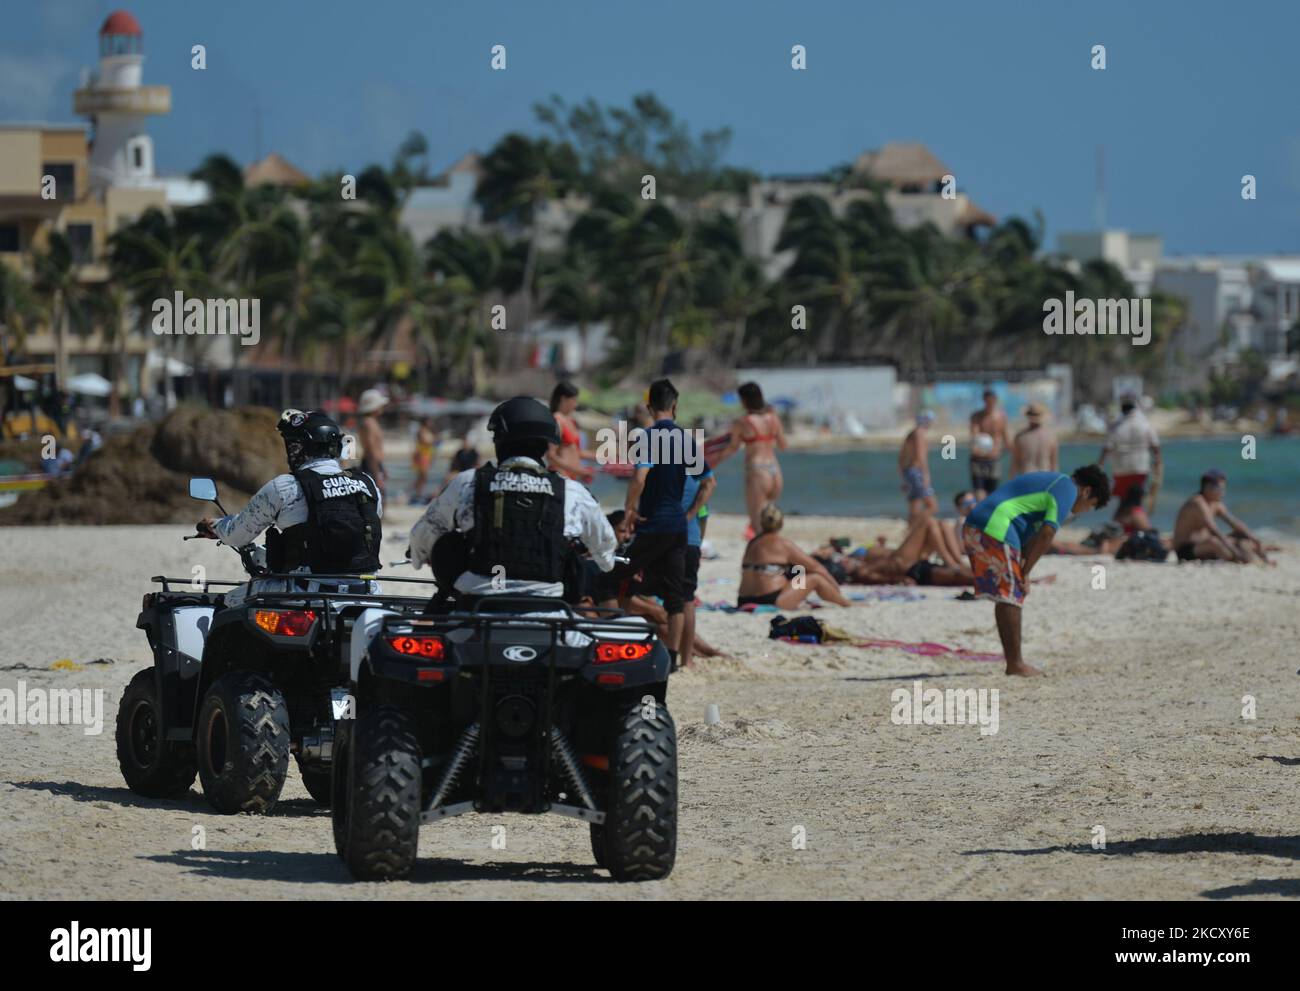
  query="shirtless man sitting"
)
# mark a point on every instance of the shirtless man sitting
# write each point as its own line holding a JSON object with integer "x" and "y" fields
{"x": 775, "y": 572}
{"x": 1196, "y": 530}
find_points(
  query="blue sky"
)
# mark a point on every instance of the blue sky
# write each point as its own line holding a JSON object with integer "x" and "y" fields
{"x": 1195, "y": 94}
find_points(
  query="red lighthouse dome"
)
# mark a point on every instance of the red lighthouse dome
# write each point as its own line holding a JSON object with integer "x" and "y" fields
{"x": 120, "y": 22}
{"x": 120, "y": 35}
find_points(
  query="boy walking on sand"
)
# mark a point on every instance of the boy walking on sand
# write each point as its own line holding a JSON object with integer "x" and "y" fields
{"x": 1011, "y": 529}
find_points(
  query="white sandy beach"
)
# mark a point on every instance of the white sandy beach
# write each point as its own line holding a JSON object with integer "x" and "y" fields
{"x": 1138, "y": 729}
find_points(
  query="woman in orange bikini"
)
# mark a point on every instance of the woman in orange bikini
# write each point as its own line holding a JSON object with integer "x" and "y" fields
{"x": 759, "y": 430}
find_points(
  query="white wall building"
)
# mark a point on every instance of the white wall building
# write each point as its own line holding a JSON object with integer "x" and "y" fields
{"x": 858, "y": 396}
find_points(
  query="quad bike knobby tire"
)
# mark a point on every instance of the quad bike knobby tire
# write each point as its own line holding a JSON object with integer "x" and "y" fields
{"x": 243, "y": 743}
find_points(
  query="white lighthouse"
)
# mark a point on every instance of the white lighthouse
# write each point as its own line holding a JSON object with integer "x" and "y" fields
{"x": 118, "y": 105}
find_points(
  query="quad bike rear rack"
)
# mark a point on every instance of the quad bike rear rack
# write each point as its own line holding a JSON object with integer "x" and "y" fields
{"x": 546, "y": 738}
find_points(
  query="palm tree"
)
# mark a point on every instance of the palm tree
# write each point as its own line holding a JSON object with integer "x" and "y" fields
{"x": 667, "y": 262}
{"x": 826, "y": 275}
{"x": 574, "y": 290}
{"x": 520, "y": 176}
{"x": 111, "y": 306}
{"x": 936, "y": 290}
{"x": 66, "y": 298}
{"x": 731, "y": 285}
{"x": 20, "y": 310}
{"x": 301, "y": 281}
{"x": 154, "y": 261}
{"x": 395, "y": 290}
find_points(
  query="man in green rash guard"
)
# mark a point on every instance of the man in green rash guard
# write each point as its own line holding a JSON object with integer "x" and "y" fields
{"x": 1011, "y": 529}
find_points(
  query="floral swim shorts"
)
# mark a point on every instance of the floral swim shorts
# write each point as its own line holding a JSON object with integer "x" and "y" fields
{"x": 996, "y": 566}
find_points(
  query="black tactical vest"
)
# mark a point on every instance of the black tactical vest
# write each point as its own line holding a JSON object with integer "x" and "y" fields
{"x": 342, "y": 534}
{"x": 518, "y": 523}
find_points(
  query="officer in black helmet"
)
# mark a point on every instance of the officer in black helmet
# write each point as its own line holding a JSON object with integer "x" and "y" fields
{"x": 515, "y": 519}
{"x": 319, "y": 518}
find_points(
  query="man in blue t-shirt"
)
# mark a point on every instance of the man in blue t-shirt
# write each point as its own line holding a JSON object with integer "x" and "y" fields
{"x": 654, "y": 507}
{"x": 1011, "y": 529}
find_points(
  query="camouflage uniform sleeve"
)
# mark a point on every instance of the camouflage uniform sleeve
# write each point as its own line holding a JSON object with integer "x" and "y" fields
{"x": 455, "y": 505}
{"x": 261, "y": 511}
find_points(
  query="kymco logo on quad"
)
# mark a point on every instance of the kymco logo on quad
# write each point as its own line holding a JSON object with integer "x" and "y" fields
{"x": 519, "y": 653}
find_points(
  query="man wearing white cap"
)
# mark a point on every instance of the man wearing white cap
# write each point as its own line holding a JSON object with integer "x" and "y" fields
{"x": 914, "y": 466}
{"x": 371, "y": 436}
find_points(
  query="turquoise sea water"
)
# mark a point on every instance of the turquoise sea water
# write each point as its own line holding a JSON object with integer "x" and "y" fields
{"x": 1265, "y": 492}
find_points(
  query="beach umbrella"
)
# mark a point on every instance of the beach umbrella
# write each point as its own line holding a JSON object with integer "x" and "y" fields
{"x": 175, "y": 367}
{"x": 90, "y": 384}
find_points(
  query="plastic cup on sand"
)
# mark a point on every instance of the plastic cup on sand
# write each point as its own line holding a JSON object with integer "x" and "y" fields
{"x": 711, "y": 715}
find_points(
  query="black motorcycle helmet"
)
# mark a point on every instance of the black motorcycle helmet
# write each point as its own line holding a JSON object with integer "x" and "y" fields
{"x": 308, "y": 435}
{"x": 522, "y": 426}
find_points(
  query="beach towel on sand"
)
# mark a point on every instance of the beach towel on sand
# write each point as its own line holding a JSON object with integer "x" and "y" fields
{"x": 924, "y": 649}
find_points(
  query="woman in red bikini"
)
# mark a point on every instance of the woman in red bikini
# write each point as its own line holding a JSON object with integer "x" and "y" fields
{"x": 759, "y": 430}
{"x": 567, "y": 457}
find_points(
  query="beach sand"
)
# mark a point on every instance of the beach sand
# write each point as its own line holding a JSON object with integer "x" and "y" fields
{"x": 1138, "y": 730}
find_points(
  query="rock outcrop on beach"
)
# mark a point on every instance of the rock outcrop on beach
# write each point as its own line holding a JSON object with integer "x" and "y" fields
{"x": 142, "y": 477}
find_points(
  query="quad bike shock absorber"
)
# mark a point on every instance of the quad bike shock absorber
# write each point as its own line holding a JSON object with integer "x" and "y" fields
{"x": 572, "y": 770}
{"x": 465, "y": 747}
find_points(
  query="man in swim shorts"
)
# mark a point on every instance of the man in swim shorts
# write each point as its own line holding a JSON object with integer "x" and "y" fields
{"x": 1197, "y": 536}
{"x": 990, "y": 435}
{"x": 1011, "y": 529}
{"x": 914, "y": 466}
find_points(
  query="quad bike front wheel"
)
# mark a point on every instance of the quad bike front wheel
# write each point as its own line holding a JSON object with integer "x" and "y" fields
{"x": 243, "y": 743}
{"x": 377, "y": 796}
{"x": 151, "y": 764}
{"x": 638, "y": 841}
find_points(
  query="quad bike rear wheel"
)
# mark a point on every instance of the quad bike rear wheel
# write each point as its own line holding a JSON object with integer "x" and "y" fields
{"x": 639, "y": 836}
{"x": 243, "y": 743}
{"x": 377, "y": 812}
{"x": 152, "y": 765}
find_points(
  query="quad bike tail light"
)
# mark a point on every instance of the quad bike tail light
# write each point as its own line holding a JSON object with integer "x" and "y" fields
{"x": 425, "y": 648}
{"x": 285, "y": 622}
{"x": 607, "y": 652}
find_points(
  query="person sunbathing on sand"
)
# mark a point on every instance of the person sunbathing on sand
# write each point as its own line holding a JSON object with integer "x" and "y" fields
{"x": 908, "y": 564}
{"x": 775, "y": 572}
{"x": 1196, "y": 530}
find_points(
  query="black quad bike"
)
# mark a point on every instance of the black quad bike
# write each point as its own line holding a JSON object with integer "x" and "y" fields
{"x": 508, "y": 704}
{"x": 235, "y": 690}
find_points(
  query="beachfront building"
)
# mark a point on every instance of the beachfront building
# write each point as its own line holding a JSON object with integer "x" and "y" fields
{"x": 1219, "y": 323}
{"x": 914, "y": 183}
{"x": 85, "y": 181}
{"x": 1234, "y": 304}
{"x": 1136, "y": 255}
{"x": 912, "y": 178}
{"x": 446, "y": 202}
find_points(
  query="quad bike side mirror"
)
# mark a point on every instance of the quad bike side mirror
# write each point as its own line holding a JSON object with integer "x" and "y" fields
{"x": 205, "y": 490}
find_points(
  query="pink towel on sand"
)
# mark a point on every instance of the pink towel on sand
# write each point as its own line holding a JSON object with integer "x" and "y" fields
{"x": 931, "y": 650}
